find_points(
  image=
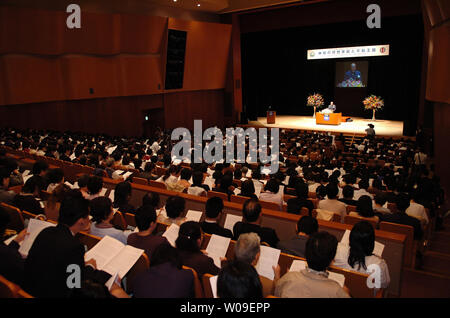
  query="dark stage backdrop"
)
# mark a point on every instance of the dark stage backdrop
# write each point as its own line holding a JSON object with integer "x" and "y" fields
{"x": 277, "y": 73}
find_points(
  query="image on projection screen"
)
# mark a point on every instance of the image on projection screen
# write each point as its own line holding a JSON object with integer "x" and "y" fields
{"x": 352, "y": 74}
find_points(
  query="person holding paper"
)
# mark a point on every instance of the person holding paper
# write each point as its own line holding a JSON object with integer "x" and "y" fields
{"x": 248, "y": 189}
{"x": 12, "y": 263}
{"x": 145, "y": 239}
{"x": 55, "y": 178}
{"x": 306, "y": 226}
{"x": 251, "y": 211}
{"x": 94, "y": 187}
{"x": 331, "y": 203}
{"x": 122, "y": 197}
{"x": 248, "y": 250}
{"x": 197, "y": 187}
{"x": 6, "y": 196}
{"x": 239, "y": 279}
{"x": 313, "y": 281}
{"x": 15, "y": 177}
{"x": 40, "y": 169}
{"x": 188, "y": 244}
{"x": 102, "y": 214}
{"x": 272, "y": 193}
{"x": 56, "y": 247}
{"x": 175, "y": 207}
{"x": 26, "y": 200}
{"x": 213, "y": 211}
{"x": 358, "y": 253}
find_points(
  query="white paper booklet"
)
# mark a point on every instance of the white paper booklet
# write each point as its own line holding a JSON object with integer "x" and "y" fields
{"x": 112, "y": 256}
{"x": 193, "y": 215}
{"x": 231, "y": 220}
{"x": 35, "y": 227}
{"x": 171, "y": 233}
{"x": 268, "y": 258}
{"x": 213, "y": 282}
{"x": 127, "y": 174}
{"x": 217, "y": 248}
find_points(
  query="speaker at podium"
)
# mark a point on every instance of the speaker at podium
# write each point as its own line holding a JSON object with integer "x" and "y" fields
{"x": 271, "y": 116}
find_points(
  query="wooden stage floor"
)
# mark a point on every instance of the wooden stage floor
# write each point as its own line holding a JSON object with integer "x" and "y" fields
{"x": 358, "y": 126}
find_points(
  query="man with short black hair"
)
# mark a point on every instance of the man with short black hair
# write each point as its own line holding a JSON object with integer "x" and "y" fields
{"x": 306, "y": 226}
{"x": 331, "y": 204}
{"x": 313, "y": 281}
{"x": 55, "y": 248}
{"x": 251, "y": 212}
{"x": 213, "y": 211}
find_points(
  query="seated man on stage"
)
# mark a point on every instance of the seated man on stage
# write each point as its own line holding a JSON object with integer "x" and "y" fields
{"x": 331, "y": 109}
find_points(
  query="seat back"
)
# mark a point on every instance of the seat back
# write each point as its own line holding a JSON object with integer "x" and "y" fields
{"x": 221, "y": 195}
{"x": 352, "y": 220}
{"x": 269, "y": 205}
{"x": 10, "y": 290}
{"x": 206, "y": 283}
{"x": 409, "y": 242}
{"x": 157, "y": 184}
{"x": 87, "y": 239}
{"x": 130, "y": 219}
{"x": 16, "y": 222}
{"x": 197, "y": 284}
{"x": 238, "y": 199}
{"x": 140, "y": 180}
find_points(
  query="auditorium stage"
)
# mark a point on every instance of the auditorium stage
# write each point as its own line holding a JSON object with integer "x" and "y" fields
{"x": 359, "y": 125}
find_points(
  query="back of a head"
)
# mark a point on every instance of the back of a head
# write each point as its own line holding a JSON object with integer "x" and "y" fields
{"x": 247, "y": 188}
{"x": 122, "y": 192}
{"x": 33, "y": 184}
{"x": 144, "y": 216}
{"x": 363, "y": 184}
{"x": 348, "y": 192}
{"x": 185, "y": 174}
{"x": 238, "y": 280}
{"x": 301, "y": 189}
{"x": 165, "y": 253}
{"x": 39, "y": 166}
{"x": 83, "y": 180}
{"x": 94, "y": 185}
{"x": 214, "y": 207}
{"x": 364, "y": 206}
{"x": 402, "y": 201}
{"x": 188, "y": 235}
{"x": 73, "y": 207}
{"x": 308, "y": 225}
{"x": 90, "y": 290}
{"x": 101, "y": 208}
{"x": 251, "y": 210}
{"x": 55, "y": 175}
{"x": 197, "y": 177}
{"x": 332, "y": 190}
{"x": 320, "y": 250}
{"x": 247, "y": 247}
{"x": 151, "y": 198}
{"x": 362, "y": 242}
{"x": 272, "y": 185}
{"x": 175, "y": 206}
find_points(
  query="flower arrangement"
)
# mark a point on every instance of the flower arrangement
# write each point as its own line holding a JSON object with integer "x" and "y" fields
{"x": 315, "y": 100}
{"x": 373, "y": 102}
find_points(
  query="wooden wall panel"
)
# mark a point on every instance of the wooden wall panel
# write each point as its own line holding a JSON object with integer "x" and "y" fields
{"x": 31, "y": 31}
{"x": 99, "y": 34}
{"x": 84, "y": 72}
{"x": 207, "y": 52}
{"x": 31, "y": 79}
{"x": 151, "y": 33}
{"x": 439, "y": 65}
{"x": 182, "y": 108}
{"x": 140, "y": 75}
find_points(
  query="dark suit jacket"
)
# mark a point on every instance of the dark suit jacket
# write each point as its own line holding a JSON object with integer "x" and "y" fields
{"x": 200, "y": 262}
{"x": 164, "y": 281}
{"x": 12, "y": 263}
{"x": 54, "y": 249}
{"x": 266, "y": 234}
{"x": 214, "y": 228}
{"x": 147, "y": 243}
{"x": 403, "y": 218}
{"x": 28, "y": 203}
{"x": 295, "y": 246}
{"x": 125, "y": 208}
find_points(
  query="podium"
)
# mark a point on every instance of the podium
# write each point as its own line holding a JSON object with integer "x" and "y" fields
{"x": 271, "y": 116}
{"x": 328, "y": 119}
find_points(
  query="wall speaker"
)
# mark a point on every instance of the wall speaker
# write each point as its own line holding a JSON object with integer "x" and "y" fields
{"x": 176, "y": 51}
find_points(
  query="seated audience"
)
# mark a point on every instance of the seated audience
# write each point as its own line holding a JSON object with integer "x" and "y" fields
{"x": 12, "y": 263}
{"x": 401, "y": 217}
{"x": 102, "y": 216}
{"x": 152, "y": 198}
{"x": 6, "y": 196}
{"x": 331, "y": 204}
{"x": 272, "y": 193}
{"x": 188, "y": 244}
{"x": 379, "y": 202}
{"x": 295, "y": 205}
{"x": 122, "y": 197}
{"x": 251, "y": 212}
{"x": 239, "y": 280}
{"x": 247, "y": 249}
{"x": 417, "y": 210}
{"x": 357, "y": 254}
{"x": 347, "y": 193}
{"x": 94, "y": 187}
{"x": 248, "y": 189}
{"x": 364, "y": 209}
{"x": 306, "y": 226}
{"x": 146, "y": 239}
{"x": 55, "y": 177}
{"x": 313, "y": 282}
{"x": 197, "y": 187}
{"x": 165, "y": 278}
{"x": 213, "y": 212}
{"x": 174, "y": 211}
{"x": 26, "y": 200}
{"x": 55, "y": 248}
